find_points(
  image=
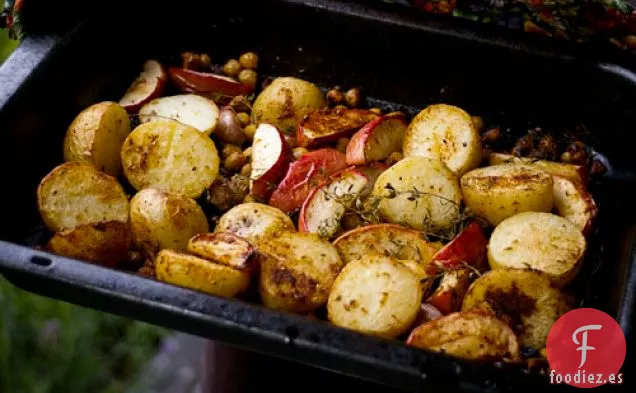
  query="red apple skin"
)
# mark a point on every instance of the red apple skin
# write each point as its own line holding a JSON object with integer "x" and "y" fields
{"x": 468, "y": 247}
{"x": 449, "y": 295}
{"x": 263, "y": 187}
{"x": 361, "y": 141}
{"x": 205, "y": 82}
{"x": 303, "y": 175}
{"x": 160, "y": 86}
{"x": 324, "y": 126}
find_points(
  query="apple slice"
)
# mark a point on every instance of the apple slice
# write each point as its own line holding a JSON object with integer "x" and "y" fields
{"x": 189, "y": 109}
{"x": 377, "y": 139}
{"x": 206, "y": 82}
{"x": 225, "y": 248}
{"x": 323, "y": 126}
{"x": 326, "y": 204}
{"x": 574, "y": 203}
{"x": 578, "y": 173}
{"x": 270, "y": 160}
{"x": 149, "y": 84}
{"x": 469, "y": 247}
{"x": 450, "y": 293}
{"x": 305, "y": 174}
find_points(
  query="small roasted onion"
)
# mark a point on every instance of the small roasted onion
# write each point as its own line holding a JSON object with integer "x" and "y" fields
{"x": 229, "y": 130}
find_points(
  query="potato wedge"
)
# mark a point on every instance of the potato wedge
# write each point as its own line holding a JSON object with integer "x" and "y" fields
{"x": 538, "y": 241}
{"x": 419, "y": 192}
{"x": 190, "y": 109}
{"x": 96, "y": 135}
{"x": 104, "y": 243}
{"x": 501, "y": 191}
{"x": 375, "y": 295}
{"x": 445, "y": 133}
{"x": 171, "y": 157}
{"x": 467, "y": 335}
{"x": 254, "y": 222}
{"x": 526, "y": 300}
{"x": 297, "y": 271}
{"x": 576, "y": 173}
{"x": 75, "y": 194}
{"x": 224, "y": 248}
{"x": 390, "y": 240}
{"x": 196, "y": 273}
{"x": 572, "y": 201}
{"x": 161, "y": 220}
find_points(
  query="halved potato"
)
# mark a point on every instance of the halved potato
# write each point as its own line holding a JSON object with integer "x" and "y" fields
{"x": 254, "y": 222}
{"x": 199, "y": 274}
{"x": 526, "y": 300}
{"x": 297, "y": 271}
{"x": 468, "y": 335}
{"x": 224, "y": 248}
{"x": 96, "y": 135}
{"x": 75, "y": 194}
{"x": 390, "y": 240}
{"x": 419, "y": 192}
{"x": 501, "y": 191}
{"x": 445, "y": 133}
{"x": 190, "y": 109}
{"x": 161, "y": 220}
{"x": 576, "y": 173}
{"x": 170, "y": 156}
{"x": 572, "y": 201}
{"x": 104, "y": 243}
{"x": 375, "y": 295}
{"x": 538, "y": 241}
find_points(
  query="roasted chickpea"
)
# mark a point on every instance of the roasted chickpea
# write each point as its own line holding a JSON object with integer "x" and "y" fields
{"x": 335, "y": 96}
{"x": 341, "y": 145}
{"x": 240, "y": 104}
{"x": 478, "y": 121}
{"x": 377, "y": 111}
{"x": 229, "y": 149}
{"x": 566, "y": 157}
{"x": 194, "y": 61}
{"x": 299, "y": 152}
{"x": 353, "y": 97}
{"x": 394, "y": 158}
{"x": 248, "y": 78}
{"x": 247, "y": 153}
{"x": 249, "y": 60}
{"x": 249, "y": 131}
{"x": 232, "y": 68}
{"x": 234, "y": 161}
{"x": 246, "y": 170}
{"x": 243, "y": 118}
{"x": 491, "y": 136}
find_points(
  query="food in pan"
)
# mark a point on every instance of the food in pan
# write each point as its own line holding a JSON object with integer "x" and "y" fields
{"x": 421, "y": 226}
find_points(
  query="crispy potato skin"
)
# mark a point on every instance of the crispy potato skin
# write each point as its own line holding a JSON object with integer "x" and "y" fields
{"x": 539, "y": 241}
{"x": 468, "y": 335}
{"x": 297, "y": 271}
{"x": 171, "y": 157}
{"x": 199, "y": 274}
{"x": 224, "y": 248}
{"x": 104, "y": 243}
{"x": 375, "y": 295}
{"x": 526, "y": 300}
{"x": 572, "y": 201}
{"x": 75, "y": 194}
{"x": 254, "y": 222}
{"x": 161, "y": 220}
{"x": 437, "y": 205}
{"x": 95, "y": 137}
{"x": 501, "y": 191}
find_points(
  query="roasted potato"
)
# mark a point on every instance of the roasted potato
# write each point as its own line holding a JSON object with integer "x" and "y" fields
{"x": 224, "y": 248}
{"x": 285, "y": 102}
{"x": 171, "y": 157}
{"x": 104, "y": 243}
{"x": 375, "y": 295}
{"x": 189, "y": 109}
{"x": 501, "y": 191}
{"x": 572, "y": 201}
{"x": 468, "y": 335}
{"x": 161, "y": 220}
{"x": 297, "y": 271}
{"x": 75, "y": 194}
{"x": 419, "y": 192}
{"x": 576, "y": 173}
{"x": 96, "y": 135}
{"x": 526, "y": 300}
{"x": 254, "y": 222}
{"x": 196, "y": 273}
{"x": 538, "y": 241}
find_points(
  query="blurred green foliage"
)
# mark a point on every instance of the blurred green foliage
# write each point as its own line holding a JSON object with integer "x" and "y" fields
{"x": 7, "y": 45}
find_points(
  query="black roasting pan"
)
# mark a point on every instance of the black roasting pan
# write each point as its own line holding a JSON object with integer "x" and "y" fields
{"x": 404, "y": 61}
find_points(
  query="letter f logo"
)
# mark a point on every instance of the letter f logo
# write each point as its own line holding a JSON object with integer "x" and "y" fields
{"x": 584, "y": 347}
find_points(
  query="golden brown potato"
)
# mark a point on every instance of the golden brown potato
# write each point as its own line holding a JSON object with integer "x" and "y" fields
{"x": 468, "y": 335}
{"x": 375, "y": 295}
{"x": 199, "y": 274}
{"x": 538, "y": 241}
{"x": 572, "y": 201}
{"x": 526, "y": 300}
{"x": 297, "y": 271}
{"x": 224, "y": 248}
{"x": 161, "y": 220}
{"x": 501, "y": 191}
{"x": 170, "y": 156}
{"x": 96, "y": 135}
{"x": 576, "y": 173}
{"x": 254, "y": 222}
{"x": 104, "y": 243}
{"x": 419, "y": 192}
{"x": 285, "y": 102}
{"x": 75, "y": 194}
